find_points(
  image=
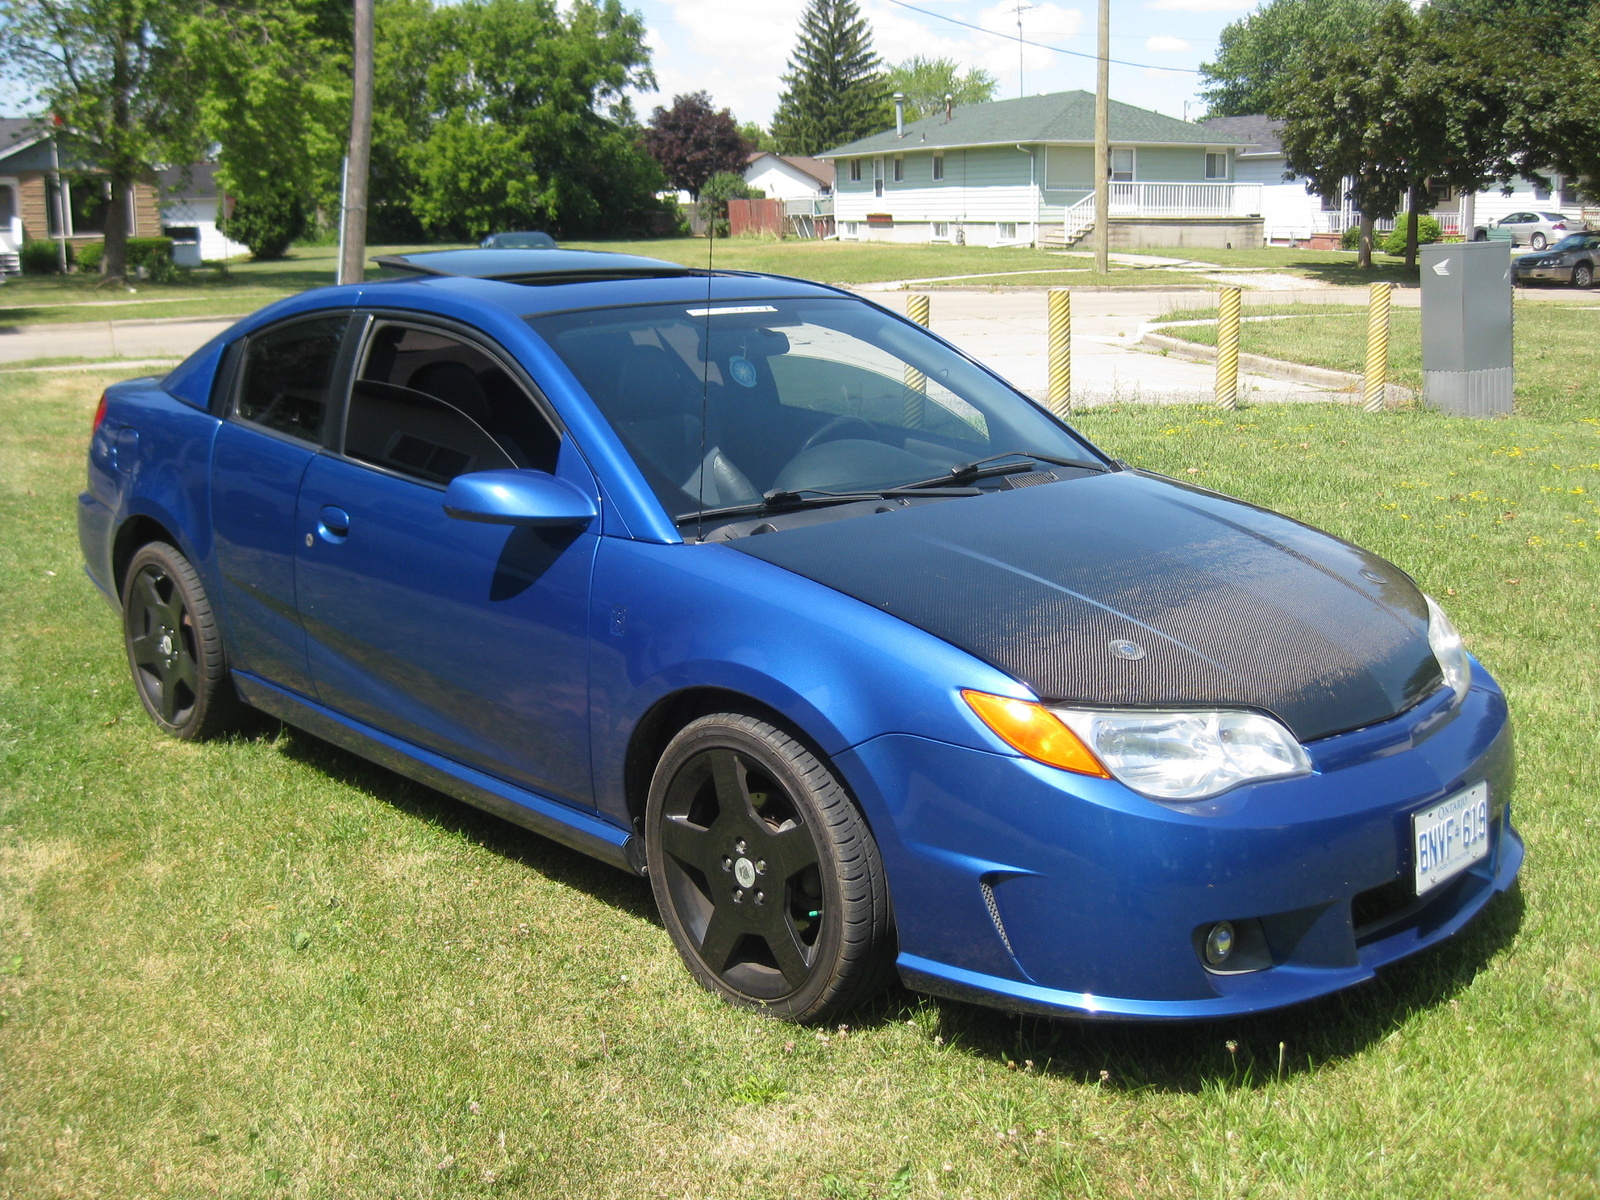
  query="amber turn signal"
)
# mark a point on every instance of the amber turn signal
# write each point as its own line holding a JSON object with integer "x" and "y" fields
{"x": 1035, "y": 731}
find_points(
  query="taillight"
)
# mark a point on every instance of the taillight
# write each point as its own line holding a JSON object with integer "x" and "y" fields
{"x": 1559, "y": 225}
{"x": 99, "y": 414}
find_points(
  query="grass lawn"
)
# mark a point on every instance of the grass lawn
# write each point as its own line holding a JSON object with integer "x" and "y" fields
{"x": 1327, "y": 266}
{"x": 262, "y": 967}
{"x": 1553, "y": 346}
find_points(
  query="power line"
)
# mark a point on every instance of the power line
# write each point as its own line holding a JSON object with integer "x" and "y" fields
{"x": 1042, "y": 46}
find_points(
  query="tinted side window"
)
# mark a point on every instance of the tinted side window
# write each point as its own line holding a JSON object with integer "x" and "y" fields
{"x": 288, "y": 376}
{"x": 434, "y": 407}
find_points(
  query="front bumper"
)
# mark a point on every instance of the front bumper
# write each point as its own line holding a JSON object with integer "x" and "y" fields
{"x": 1546, "y": 274}
{"x": 1022, "y": 887}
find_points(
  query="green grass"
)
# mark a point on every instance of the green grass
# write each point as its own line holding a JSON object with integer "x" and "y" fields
{"x": 1325, "y": 266}
{"x": 262, "y": 967}
{"x": 1553, "y": 347}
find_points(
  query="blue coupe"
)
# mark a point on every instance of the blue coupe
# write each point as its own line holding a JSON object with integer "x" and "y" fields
{"x": 872, "y": 665}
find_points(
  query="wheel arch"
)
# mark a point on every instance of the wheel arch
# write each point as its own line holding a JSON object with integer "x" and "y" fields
{"x": 137, "y": 532}
{"x": 671, "y": 713}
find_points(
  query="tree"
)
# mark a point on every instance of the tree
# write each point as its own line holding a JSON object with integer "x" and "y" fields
{"x": 925, "y": 82}
{"x": 497, "y": 114}
{"x": 756, "y": 137}
{"x": 833, "y": 90}
{"x": 714, "y": 197}
{"x": 1257, "y": 54}
{"x": 692, "y": 141}
{"x": 114, "y": 74}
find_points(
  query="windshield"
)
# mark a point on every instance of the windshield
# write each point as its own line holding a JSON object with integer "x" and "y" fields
{"x": 795, "y": 395}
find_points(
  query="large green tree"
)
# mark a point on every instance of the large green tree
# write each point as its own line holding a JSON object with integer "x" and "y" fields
{"x": 925, "y": 82}
{"x": 1257, "y": 54}
{"x": 496, "y": 114}
{"x": 115, "y": 75}
{"x": 834, "y": 89}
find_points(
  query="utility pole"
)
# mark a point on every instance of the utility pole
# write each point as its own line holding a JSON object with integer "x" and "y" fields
{"x": 1102, "y": 145}
{"x": 353, "y": 217}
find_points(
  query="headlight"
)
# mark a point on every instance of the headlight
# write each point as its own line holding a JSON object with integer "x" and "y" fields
{"x": 1449, "y": 650}
{"x": 1187, "y": 755}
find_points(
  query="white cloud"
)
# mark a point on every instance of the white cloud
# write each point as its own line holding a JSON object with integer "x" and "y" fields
{"x": 1201, "y": 6}
{"x": 1166, "y": 44}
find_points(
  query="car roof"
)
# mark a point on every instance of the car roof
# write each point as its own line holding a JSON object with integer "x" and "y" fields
{"x": 532, "y": 282}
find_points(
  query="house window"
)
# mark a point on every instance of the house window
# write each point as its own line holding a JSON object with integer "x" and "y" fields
{"x": 1006, "y": 231}
{"x": 855, "y": 170}
{"x": 877, "y": 177}
{"x": 1540, "y": 193}
{"x": 849, "y": 229}
{"x": 1330, "y": 204}
{"x": 1567, "y": 193}
{"x": 1216, "y": 166}
{"x": 941, "y": 231}
{"x": 1068, "y": 168}
{"x": 938, "y": 166}
{"x": 899, "y": 168}
{"x": 1122, "y": 166}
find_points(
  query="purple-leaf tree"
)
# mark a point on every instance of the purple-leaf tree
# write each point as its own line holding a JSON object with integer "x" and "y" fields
{"x": 694, "y": 141}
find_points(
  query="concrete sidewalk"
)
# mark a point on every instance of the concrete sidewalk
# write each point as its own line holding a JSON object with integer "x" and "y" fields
{"x": 163, "y": 337}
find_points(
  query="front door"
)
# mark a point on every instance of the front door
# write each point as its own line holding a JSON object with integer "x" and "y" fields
{"x": 468, "y": 639}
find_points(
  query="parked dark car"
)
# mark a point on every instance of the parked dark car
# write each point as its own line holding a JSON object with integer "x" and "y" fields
{"x": 1571, "y": 260}
{"x": 526, "y": 240}
{"x": 871, "y": 664}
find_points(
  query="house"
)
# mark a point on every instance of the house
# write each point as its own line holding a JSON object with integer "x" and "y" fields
{"x": 789, "y": 176}
{"x": 1291, "y": 214}
{"x": 190, "y": 205}
{"x": 1021, "y": 172}
{"x": 49, "y": 187}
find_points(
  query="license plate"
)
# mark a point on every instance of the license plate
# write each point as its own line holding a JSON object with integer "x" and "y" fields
{"x": 1450, "y": 836}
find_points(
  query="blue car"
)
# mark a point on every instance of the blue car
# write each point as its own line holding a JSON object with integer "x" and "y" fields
{"x": 871, "y": 664}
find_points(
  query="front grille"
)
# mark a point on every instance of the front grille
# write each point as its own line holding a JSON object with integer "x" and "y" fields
{"x": 1378, "y": 906}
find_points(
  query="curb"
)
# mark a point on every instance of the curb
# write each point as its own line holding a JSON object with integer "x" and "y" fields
{"x": 1276, "y": 368}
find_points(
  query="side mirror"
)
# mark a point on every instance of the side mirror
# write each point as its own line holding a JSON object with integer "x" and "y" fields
{"x": 517, "y": 498}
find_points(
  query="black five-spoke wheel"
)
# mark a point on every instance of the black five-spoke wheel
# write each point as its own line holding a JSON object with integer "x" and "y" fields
{"x": 766, "y": 875}
{"x": 174, "y": 646}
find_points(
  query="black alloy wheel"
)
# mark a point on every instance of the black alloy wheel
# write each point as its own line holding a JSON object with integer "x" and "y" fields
{"x": 1583, "y": 276}
{"x": 766, "y": 875}
{"x": 174, "y": 646}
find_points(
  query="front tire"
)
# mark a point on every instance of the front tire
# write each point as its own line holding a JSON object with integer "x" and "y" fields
{"x": 767, "y": 877}
{"x": 175, "y": 647}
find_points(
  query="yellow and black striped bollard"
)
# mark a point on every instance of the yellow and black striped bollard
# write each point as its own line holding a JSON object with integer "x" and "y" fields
{"x": 916, "y": 381}
{"x": 1377, "y": 374}
{"x": 1228, "y": 348}
{"x": 1059, "y": 395}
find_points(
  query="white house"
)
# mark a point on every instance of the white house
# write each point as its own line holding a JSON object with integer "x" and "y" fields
{"x": 1291, "y": 214}
{"x": 189, "y": 205}
{"x": 1021, "y": 172}
{"x": 789, "y": 176}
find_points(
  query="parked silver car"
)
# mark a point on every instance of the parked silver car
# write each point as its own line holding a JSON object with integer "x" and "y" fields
{"x": 1536, "y": 229}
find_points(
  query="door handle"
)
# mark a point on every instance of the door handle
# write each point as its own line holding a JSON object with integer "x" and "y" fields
{"x": 333, "y": 524}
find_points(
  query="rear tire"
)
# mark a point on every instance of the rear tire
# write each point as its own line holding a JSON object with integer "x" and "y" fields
{"x": 1538, "y": 241}
{"x": 1583, "y": 276}
{"x": 767, "y": 877}
{"x": 175, "y": 647}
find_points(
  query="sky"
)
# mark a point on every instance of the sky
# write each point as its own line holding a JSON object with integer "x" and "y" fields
{"x": 738, "y": 49}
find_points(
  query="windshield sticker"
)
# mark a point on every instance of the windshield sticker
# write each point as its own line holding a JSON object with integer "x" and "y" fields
{"x": 743, "y": 371}
{"x": 725, "y": 312}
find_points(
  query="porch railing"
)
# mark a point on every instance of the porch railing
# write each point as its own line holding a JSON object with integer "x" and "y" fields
{"x": 1338, "y": 222}
{"x": 1185, "y": 199}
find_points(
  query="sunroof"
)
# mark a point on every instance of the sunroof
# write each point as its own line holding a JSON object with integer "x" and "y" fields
{"x": 532, "y": 266}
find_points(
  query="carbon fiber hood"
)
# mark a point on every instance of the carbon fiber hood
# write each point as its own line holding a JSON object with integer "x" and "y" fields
{"x": 1232, "y": 604}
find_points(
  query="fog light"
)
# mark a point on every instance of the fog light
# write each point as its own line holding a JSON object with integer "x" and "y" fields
{"x": 1219, "y": 943}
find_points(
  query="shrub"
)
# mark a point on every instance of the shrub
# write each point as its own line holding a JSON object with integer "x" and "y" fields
{"x": 267, "y": 224}
{"x": 1427, "y": 231}
{"x": 153, "y": 254}
{"x": 714, "y": 197}
{"x": 1350, "y": 239}
{"x": 39, "y": 258}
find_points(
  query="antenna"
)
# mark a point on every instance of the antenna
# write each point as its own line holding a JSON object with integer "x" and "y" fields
{"x": 1017, "y": 11}
{"x": 705, "y": 384}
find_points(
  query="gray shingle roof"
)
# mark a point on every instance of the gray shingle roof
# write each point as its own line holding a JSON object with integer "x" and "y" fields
{"x": 1262, "y": 132}
{"x": 1057, "y": 117}
{"x": 16, "y": 130}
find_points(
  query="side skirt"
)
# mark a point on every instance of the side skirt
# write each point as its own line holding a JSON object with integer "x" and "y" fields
{"x": 548, "y": 818}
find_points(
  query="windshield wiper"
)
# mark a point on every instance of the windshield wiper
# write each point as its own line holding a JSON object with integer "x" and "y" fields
{"x": 996, "y": 464}
{"x": 779, "y": 500}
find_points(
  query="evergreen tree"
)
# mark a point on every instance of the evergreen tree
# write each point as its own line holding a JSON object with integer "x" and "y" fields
{"x": 834, "y": 88}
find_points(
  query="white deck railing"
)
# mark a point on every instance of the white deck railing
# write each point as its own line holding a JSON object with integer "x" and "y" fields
{"x": 1185, "y": 199}
{"x": 1338, "y": 222}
